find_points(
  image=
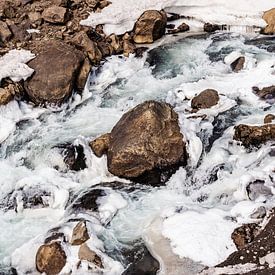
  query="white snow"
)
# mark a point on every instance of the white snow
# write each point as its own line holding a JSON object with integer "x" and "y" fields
{"x": 13, "y": 65}
{"x": 121, "y": 16}
{"x": 202, "y": 237}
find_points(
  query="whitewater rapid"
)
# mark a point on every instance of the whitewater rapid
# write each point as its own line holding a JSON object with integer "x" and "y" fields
{"x": 209, "y": 194}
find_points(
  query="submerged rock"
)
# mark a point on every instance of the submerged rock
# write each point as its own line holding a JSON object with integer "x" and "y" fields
{"x": 238, "y": 64}
{"x": 254, "y": 135}
{"x": 150, "y": 26}
{"x": 269, "y": 17}
{"x": 74, "y": 156}
{"x": 50, "y": 258}
{"x": 146, "y": 144}
{"x": 181, "y": 28}
{"x": 56, "y": 66}
{"x": 206, "y": 99}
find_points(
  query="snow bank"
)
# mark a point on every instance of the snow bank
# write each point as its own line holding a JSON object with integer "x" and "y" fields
{"x": 120, "y": 17}
{"x": 13, "y": 65}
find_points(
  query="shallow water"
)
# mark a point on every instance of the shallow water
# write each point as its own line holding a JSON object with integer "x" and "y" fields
{"x": 218, "y": 170}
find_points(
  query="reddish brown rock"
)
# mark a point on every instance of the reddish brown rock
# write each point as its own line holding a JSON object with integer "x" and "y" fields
{"x": 80, "y": 234}
{"x": 266, "y": 93}
{"x": 85, "y": 253}
{"x": 5, "y": 33}
{"x": 181, "y": 28}
{"x": 238, "y": 64}
{"x": 50, "y": 258}
{"x": 128, "y": 45}
{"x": 150, "y": 26}
{"x": 146, "y": 141}
{"x": 57, "y": 67}
{"x": 100, "y": 145}
{"x": 254, "y": 135}
{"x": 269, "y": 118}
{"x": 55, "y": 15}
{"x": 269, "y": 17}
{"x": 206, "y": 99}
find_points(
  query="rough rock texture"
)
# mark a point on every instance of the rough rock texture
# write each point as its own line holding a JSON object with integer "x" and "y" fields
{"x": 85, "y": 253}
{"x": 181, "y": 28}
{"x": 150, "y": 26}
{"x": 5, "y": 96}
{"x": 257, "y": 189}
{"x": 147, "y": 139}
{"x": 100, "y": 145}
{"x": 55, "y": 14}
{"x": 208, "y": 27}
{"x": 5, "y": 33}
{"x": 254, "y": 135}
{"x": 244, "y": 235}
{"x": 50, "y": 258}
{"x": 238, "y": 64}
{"x": 267, "y": 93}
{"x": 56, "y": 69}
{"x": 261, "y": 251}
{"x": 269, "y": 118}
{"x": 80, "y": 234}
{"x": 206, "y": 99}
{"x": 128, "y": 45}
{"x": 269, "y": 17}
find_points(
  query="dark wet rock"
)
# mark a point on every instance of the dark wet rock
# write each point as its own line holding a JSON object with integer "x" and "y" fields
{"x": 54, "y": 235}
{"x": 269, "y": 118}
{"x": 155, "y": 152}
{"x": 50, "y": 258}
{"x": 208, "y": 27}
{"x": 74, "y": 156}
{"x": 19, "y": 32}
{"x": 269, "y": 17}
{"x": 140, "y": 261}
{"x": 206, "y": 99}
{"x": 80, "y": 234}
{"x": 57, "y": 67}
{"x": 261, "y": 251}
{"x": 140, "y": 51}
{"x": 267, "y": 93}
{"x": 170, "y": 26}
{"x": 238, "y": 64}
{"x": 150, "y": 26}
{"x": 254, "y": 135}
{"x": 181, "y": 28}
{"x": 257, "y": 188}
{"x": 87, "y": 200}
{"x": 100, "y": 145}
{"x": 87, "y": 254}
{"x": 173, "y": 17}
{"x": 245, "y": 234}
{"x": 55, "y": 15}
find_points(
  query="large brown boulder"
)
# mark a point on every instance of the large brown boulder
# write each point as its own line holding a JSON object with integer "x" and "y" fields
{"x": 146, "y": 144}
{"x": 57, "y": 67}
{"x": 150, "y": 26}
{"x": 254, "y": 135}
{"x": 206, "y": 99}
{"x": 50, "y": 258}
{"x": 269, "y": 17}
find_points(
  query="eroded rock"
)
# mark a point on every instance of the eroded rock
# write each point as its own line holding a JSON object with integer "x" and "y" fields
{"x": 254, "y": 135}
{"x": 5, "y": 33}
{"x": 238, "y": 64}
{"x": 206, "y": 99}
{"x": 85, "y": 253}
{"x": 269, "y": 17}
{"x": 56, "y": 66}
{"x": 80, "y": 234}
{"x": 50, "y": 258}
{"x": 55, "y": 15}
{"x": 146, "y": 142}
{"x": 150, "y": 26}
{"x": 269, "y": 118}
{"x": 266, "y": 93}
{"x": 100, "y": 145}
{"x": 181, "y": 28}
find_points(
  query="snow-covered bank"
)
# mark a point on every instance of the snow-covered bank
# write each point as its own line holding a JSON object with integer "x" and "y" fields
{"x": 121, "y": 16}
{"x": 13, "y": 65}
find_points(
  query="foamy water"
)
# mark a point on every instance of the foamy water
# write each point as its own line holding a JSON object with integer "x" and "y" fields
{"x": 210, "y": 190}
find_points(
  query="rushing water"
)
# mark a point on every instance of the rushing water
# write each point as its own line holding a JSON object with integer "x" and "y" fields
{"x": 217, "y": 171}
